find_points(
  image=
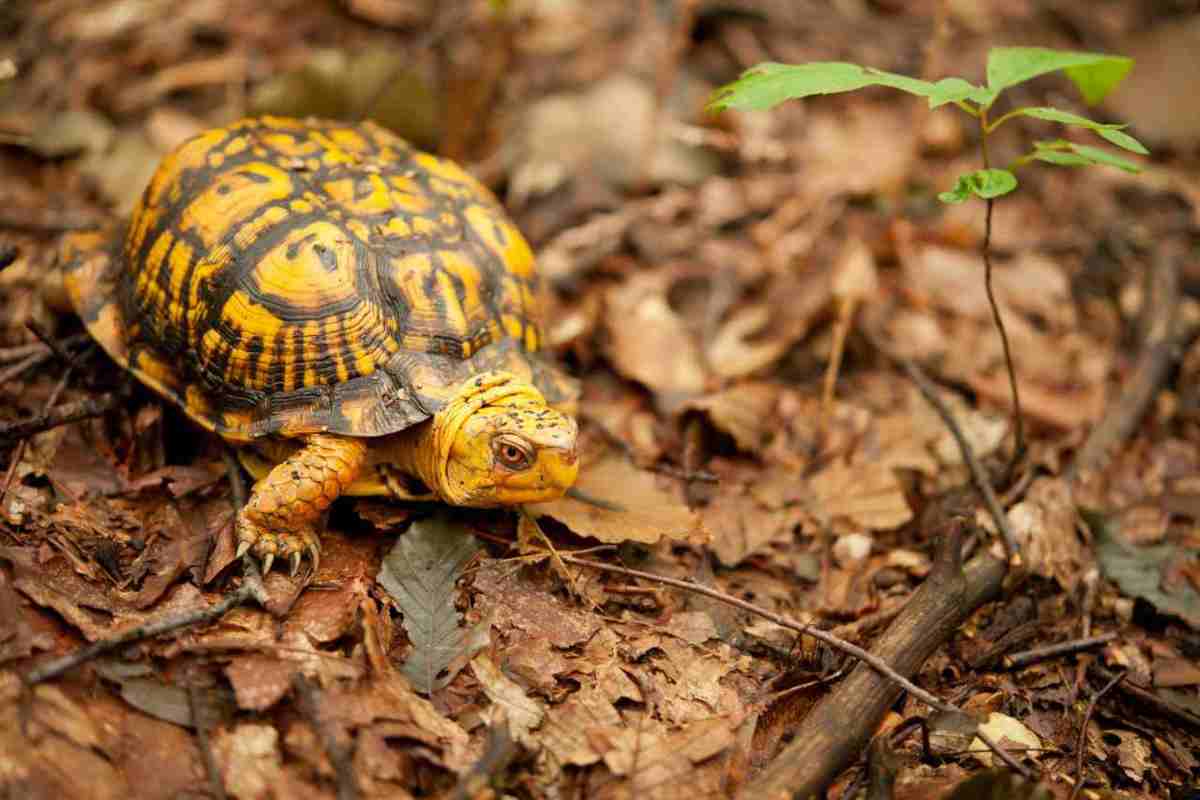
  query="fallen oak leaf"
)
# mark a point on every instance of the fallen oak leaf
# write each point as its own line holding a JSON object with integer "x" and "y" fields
{"x": 636, "y": 508}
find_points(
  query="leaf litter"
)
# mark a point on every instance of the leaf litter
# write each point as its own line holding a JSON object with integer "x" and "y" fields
{"x": 699, "y": 273}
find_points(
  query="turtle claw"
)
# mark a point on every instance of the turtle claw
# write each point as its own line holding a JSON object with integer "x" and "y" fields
{"x": 267, "y": 561}
{"x": 295, "y": 558}
{"x": 242, "y": 549}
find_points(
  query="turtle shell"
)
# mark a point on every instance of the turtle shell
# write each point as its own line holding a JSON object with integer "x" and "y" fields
{"x": 284, "y": 276}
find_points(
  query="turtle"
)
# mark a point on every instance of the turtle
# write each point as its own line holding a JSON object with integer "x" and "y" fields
{"x": 357, "y": 317}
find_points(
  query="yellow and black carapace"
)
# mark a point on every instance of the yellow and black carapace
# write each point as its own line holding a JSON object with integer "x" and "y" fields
{"x": 360, "y": 317}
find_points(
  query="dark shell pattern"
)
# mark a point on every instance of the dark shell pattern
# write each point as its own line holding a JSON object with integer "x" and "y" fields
{"x": 286, "y": 277}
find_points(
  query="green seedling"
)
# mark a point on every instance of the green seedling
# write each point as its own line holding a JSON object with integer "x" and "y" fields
{"x": 1094, "y": 74}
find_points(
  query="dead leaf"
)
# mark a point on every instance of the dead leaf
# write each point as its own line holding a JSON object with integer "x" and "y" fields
{"x": 869, "y": 495}
{"x": 1045, "y": 526}
{"x": 647, "y": 512}
{"x": 649, "y": 341}
{"x": 421, "y": 574}
{"x": 522, "y": 713}
{"x": 742, "y": 525}
{"x": 1009, "y": 732}
{"x": 515, "y": 603}
{"x": 745, "y": 411}
{"x": 1142, "y": 571}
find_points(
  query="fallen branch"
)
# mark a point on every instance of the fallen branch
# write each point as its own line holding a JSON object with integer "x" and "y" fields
{"x": 1153, "y": 363}
{"x": 52, "y": 418}
{"x": 1055, "y": 650}
{"x": 839, "y": 726}
{"x": 251, "y": 589}
{"x": 1148, "y": 698}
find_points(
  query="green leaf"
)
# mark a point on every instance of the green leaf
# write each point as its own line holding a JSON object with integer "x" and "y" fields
{"x": 769, "y": 84}
{"x": 1062, "y": 159}
{"x": 1095, "y": 74}
{"x": 1105, "y": 157}
{"x": 1110, "y": 131}
{"x": 1124, "y": 141}
{"x": 985, "y": 183}
{"x": 1070, "y": 154}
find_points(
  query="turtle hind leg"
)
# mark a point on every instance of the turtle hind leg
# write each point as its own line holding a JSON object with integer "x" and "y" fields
{"x": 280, "y": 519}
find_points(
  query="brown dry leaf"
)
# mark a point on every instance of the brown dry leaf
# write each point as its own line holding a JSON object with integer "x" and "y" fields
{"x": 522, "y": 713}
{"x": 566, "y": 734}
{"x": 661, "y": 763}
{"x": 56, "y": 750}
{"x": 693, "y": 627}
{"x": 869, "y": 495}
{"x": 1045, "y": 525}
{"x": 694, "y": 690}
{"x": 745, "y": 411}
{"x": 742, "y": 525}
{"x": 603, "y": 662}
{"x": 649, "y": 341}
{"x": 329, "y": 609}
{"x": 861, "y": 149}
{"x": 535, "y": 662}
{"x": 251, "y": 765}
{"x": 391, "y": 13}
{"x": 648, "y": 511}
{"x": 158, "y": 759}
{"x": 756, "y": 335}
{"x": 389, "y": 702}
{"x": 17, "y": 639}
{"x": 602, "y": 131}
{"x": 512, "y": 601}
{"x": 1005, "y": 729}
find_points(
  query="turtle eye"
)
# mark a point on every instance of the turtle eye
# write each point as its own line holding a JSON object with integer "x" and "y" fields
{"x": 513, "y": 452}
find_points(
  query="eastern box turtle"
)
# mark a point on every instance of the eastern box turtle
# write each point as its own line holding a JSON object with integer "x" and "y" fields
{"x": 361, "y": 317}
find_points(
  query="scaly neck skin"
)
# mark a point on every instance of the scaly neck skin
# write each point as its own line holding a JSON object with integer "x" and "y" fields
{"x": 414, "y": 451}
{"x": 427, "y": 450}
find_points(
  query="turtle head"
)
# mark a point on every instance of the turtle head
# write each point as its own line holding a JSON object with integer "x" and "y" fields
{"x": 498, "y": 444}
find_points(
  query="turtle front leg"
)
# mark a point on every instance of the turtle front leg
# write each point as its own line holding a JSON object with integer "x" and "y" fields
{"x": 281, "y": 517}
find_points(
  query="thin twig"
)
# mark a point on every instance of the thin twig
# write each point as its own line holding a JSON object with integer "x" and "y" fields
{"x": 1055, "y": 650}
{"x": 54, "y": 417}
{"x": 1087, "y": 718}
{"x": 251, "y": 589}
{"x": 15, "y": 371}
{"x": 11, "y": 354}
{"x": 215, "y": 785}
{"x": 876, "y": 663}
{"x": 982, "y": 484}
{"x": 307, "y": 698}
{"x": 55, "y": 346}
{"x": 19, "y": 451}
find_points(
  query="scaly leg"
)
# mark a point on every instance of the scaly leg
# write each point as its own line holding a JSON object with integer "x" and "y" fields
{"x": 281, "y": 516}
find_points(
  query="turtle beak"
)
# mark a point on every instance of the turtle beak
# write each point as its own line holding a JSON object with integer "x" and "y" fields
{"x": 560, "y": 466}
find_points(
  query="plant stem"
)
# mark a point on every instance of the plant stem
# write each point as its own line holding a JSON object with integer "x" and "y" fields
{"x": 1018, "y": 422}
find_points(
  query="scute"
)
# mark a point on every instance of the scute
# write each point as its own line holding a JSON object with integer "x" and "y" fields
{"x": 295, "y": 276}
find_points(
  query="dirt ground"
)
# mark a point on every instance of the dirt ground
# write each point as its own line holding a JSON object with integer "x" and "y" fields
{"x": 740, "y": 295}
